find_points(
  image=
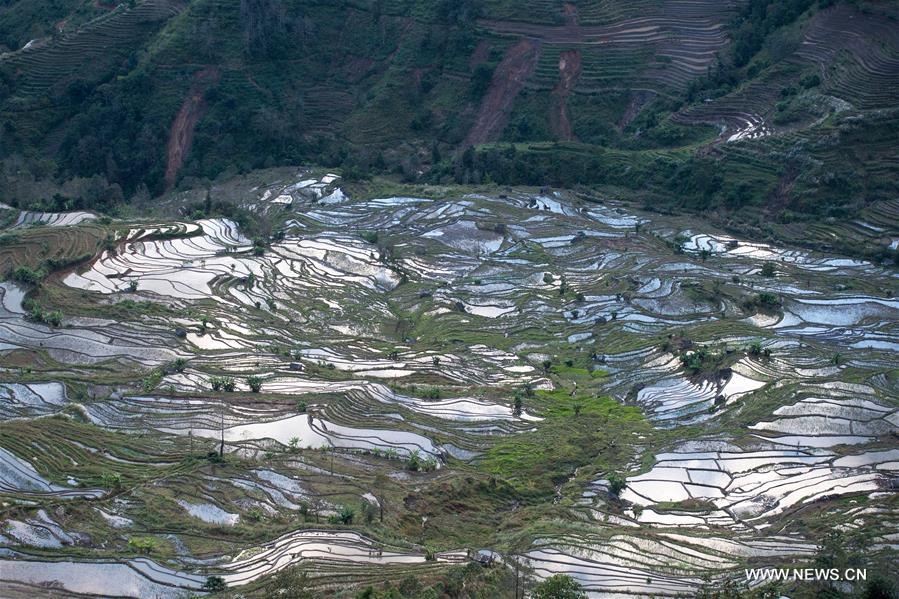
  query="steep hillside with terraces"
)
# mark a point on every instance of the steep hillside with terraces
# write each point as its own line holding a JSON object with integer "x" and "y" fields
{"x": 737, "y": 107}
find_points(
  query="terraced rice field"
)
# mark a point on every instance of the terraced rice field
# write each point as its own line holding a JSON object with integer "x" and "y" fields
{"x": 466, "y": 371}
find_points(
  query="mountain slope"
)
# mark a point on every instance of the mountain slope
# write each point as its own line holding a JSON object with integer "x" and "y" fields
{"x": 405, "y": 85}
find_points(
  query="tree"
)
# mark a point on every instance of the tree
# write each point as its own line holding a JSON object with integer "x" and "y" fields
{"x": 291, "y": 583}
{"x": 255, "y": 383}
{"x": 214, "y": 584}
{"x": 616, "y": 484}
{"x": 559, "y": 586}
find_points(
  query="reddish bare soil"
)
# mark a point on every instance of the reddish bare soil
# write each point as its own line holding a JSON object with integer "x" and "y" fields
{"x": 517, "y": 65}
{"x": 569, "y": 71}
{"x": 182, "y": 132}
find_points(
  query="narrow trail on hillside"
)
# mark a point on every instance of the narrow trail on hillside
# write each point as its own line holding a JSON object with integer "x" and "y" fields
{"x": 517, "y": 65}
{"x": 182, "y": 132}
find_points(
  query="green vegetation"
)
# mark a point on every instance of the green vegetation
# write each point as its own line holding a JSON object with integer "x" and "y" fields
{"x": 223, "y": 383}
{"x": 37, "y": 313}
{"x": 616, "y": 484}
{"x": 254, "y": 382}
{"x": 344, "y": 516}
{"x": 417, "y": 73}
{"x": 703, "y": 360}
{"x": 576, "y": 432}
{"x": 763, "y": 302}
{"x": 624, "y": 343}
{"x": 559, "y": 586}
{"x": 214, "y": 584}
{"x": 23, "y": 274}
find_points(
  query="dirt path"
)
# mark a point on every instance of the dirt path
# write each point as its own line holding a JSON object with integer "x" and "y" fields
{"x": 517, "y": 65}
{"x": 182, "y": 131}
{"x": 569, "y": 71}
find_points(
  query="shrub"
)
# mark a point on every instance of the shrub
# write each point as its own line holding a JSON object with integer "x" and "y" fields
{"x": 559, "y": 586}
{"x": 766, "y": 298}
{"x": 143, "y": 545}
{"x": 23, "y": 274}
{"x": 344, "y": 516}
{"x": 111, "y": 480}
{"x": 810, "y": 80}
{"x": 414, "y": 461}
{"x": 616, "y": 484}
{"x": 701, "y": 360}
{"x": 255, "y": 514}
{"x": 37, "y": 314}
{"x": 214, "y": 584}
{"x": 255, "y": 383}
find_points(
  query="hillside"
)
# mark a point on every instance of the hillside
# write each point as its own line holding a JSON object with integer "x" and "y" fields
{"x": 742, "y": 108}
{"x": 449, "y": 299}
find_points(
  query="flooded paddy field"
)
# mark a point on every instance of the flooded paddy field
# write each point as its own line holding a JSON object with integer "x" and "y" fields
{"x": 382, "y": 386}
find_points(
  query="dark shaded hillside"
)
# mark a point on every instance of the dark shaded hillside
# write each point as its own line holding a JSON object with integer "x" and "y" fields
{"x": 737, "y": 105}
